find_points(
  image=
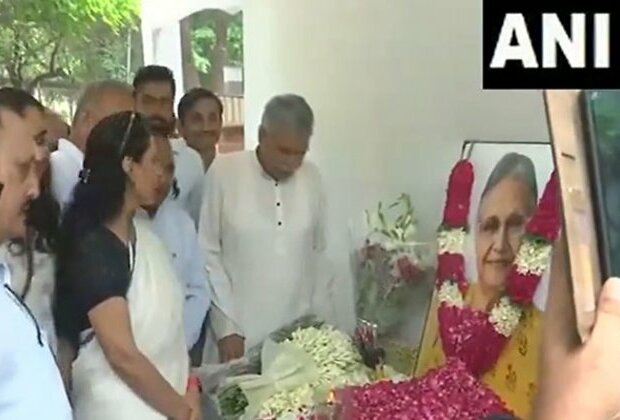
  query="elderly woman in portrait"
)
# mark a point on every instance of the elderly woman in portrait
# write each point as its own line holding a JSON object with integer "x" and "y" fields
{"x": 118, "y": 302}
{"x": 507, "y": 202}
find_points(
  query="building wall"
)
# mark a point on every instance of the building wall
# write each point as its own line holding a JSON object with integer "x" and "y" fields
{"x": 396, "y": 88}
{"x": 232, "y": 139}
{"x": 232, "y": 119}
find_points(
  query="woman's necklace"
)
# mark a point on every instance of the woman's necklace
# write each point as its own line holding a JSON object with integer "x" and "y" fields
{"x": 478, "y": 337}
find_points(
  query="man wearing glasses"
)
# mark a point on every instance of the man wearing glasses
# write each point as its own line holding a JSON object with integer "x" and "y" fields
{"x": 30, "y": 384}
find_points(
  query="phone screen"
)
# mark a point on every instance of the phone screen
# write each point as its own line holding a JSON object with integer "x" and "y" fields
{"x": 602, "y": 119}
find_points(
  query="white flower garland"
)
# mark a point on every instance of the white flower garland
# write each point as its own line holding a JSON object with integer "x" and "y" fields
{"x": 450, "y": 294}
{"x": 451, "y": 241}
{"x": 532, "y": 258}
{"x": 505, "y": 316}
{"x": 338, "y": 363}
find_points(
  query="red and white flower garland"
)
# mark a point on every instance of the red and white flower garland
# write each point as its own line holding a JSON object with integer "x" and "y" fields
{"x": 476, "y": 337}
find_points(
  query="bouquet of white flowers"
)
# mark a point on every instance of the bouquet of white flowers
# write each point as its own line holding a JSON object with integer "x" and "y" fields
{"x": 297, "y": 376}
{"x": 388, "y": 264}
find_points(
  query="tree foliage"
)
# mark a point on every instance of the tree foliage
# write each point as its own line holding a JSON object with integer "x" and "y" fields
{"x": 76, "y": 41}
{"x": 204, "y": 40}
{"x": 60, "y": 39}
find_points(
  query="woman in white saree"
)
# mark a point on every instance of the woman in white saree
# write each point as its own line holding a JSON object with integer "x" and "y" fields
{"x": 118, "y": 302}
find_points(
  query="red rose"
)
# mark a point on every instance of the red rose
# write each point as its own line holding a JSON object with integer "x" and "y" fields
{"x": 455, "y": 216}
{"x": 407, "y": 271}
{"x": 546, "y": 226}
{"x": 468, "y": 334}
{"x": 546, "y": 220}
{"x": 451, "y": 267}
{"x": 458, "y": 195}
{"x": 521, "y": 287}
{"x": 444, "y": 393}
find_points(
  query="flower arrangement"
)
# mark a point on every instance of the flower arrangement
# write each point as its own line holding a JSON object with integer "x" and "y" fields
{"x": 231, "y": 399}
{"x": 475, "y": 337}
{"x": 388, "y": 264}
{"x": 472, "y": 340}
{"x": 282, "y": 334}
{"x": 446, "y": 393}
{"x": 298, "y": 375}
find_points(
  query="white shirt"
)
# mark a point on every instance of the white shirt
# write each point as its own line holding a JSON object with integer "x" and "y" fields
{"x": 66, "y": 164}
{"x": 264, "y": 241}
{"x": 189, "y": 173}
{"x": 41, "y": 291}
{"x": 177, "y": 231}
{"x": 30, "y": 384}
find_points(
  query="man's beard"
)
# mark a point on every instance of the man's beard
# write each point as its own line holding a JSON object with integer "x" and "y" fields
{"x": 161, "y": 126}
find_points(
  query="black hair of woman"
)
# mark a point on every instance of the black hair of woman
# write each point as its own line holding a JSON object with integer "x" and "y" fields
{"x": 100, "y": 196}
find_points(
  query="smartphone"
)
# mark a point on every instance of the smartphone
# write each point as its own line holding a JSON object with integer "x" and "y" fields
{"x": 601, "y": 110}
{"x": 574, "y": 148}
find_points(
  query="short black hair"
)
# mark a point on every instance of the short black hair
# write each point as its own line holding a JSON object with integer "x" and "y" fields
{"x": 154, "y": 73}
{"x": 188, "y": 101}
{"x": 17, "y": 101}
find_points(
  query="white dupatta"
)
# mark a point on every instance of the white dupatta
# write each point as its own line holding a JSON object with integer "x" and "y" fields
{"x": 155, "y": 302}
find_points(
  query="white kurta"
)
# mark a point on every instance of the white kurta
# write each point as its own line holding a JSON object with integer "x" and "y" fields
{"x": 41, "y": 291}
{"x": 264, "y": 243}
{"x": 66, "y": 164}
{"x": 30, "y": 384}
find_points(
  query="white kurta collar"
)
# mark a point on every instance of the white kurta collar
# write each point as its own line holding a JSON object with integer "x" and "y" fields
{"x": 5, "y": 274}
{"x": 178, "y": 142}
{"x": 67, "y": 147}
{"x": 261, "y": 170}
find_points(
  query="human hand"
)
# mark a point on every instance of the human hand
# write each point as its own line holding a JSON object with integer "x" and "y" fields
{"x": 192, "y": 397}
{"x": 231, "y": 347}
{"x": 184, "y": 412}
{"x": 579, "y": 381}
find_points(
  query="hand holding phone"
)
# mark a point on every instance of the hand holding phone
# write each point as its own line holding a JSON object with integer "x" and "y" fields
{"x": 575, "y": 171}
{"x": 578, "y": 380}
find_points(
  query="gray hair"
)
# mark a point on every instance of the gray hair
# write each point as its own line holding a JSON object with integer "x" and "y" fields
{"x": 513, "y": 165}
{"x": 93, "y": 93}
{"x": 290, "y": 111}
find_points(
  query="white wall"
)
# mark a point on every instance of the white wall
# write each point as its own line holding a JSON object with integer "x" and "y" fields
{"x": 395, "y": 85}
{"x": 162, "y": 45}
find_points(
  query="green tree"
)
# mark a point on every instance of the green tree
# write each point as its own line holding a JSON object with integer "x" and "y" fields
{"x": 73, "y": 40}
{"x": 210, "y": 29}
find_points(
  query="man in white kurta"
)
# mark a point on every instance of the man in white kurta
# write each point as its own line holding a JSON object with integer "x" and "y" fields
{"x": 98, "y": 101}
{"x": 262, "y": 229}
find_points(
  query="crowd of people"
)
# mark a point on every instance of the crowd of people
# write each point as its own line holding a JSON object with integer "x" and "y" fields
{"x": 131, "y": 254}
